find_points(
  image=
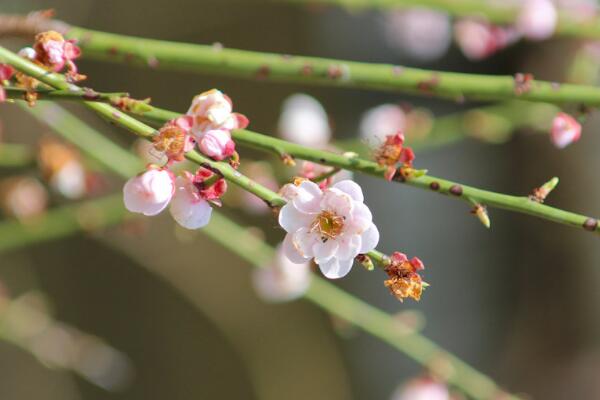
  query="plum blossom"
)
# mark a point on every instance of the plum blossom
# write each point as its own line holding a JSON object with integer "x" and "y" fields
{"x": 190, "y": 206}
{"x": 537, "y": 19}
{"x": 479, "y": 39}
{"x": 565, "y": 130}
{"x": 282, "y": 280}
{"x": 303, "y": 120}
{"x": 422, "y": 389}
{"x": 54, "y": 52}
{"x": 6, "y": 72}
{"x": 150, "y": 192}
{"x": 420, "y": 32}
{"x": 379, "y": 122}
{"x": 217, "y": 144}
{"x": 214, "y": 110}
{"x": 332, "y": 226}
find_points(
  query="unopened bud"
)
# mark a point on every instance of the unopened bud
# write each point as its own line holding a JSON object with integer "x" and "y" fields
{"x": 480, "y": 211}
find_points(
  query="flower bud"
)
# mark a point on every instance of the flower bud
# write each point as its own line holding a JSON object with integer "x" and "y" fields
{"x": 150, "y": 192}
{"x": 537, "y": 19}
{"x": 217, "y": 144}
{"x": 565, "y": 130}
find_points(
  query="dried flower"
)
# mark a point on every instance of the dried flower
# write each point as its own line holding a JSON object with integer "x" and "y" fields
{"x": 303, "y": 120}
{"x": 565, "y": 130}
{"x": 54, "y": 52}
{"x": 281, "y": 280}
{"x": 393, "y": 152}
{"x": 404, "y": 280}
{"x": 174, "y": 139}
{"x": 332, "y": 226}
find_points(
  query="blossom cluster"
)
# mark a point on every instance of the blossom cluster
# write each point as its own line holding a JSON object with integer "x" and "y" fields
{"x": 207, "y": 124}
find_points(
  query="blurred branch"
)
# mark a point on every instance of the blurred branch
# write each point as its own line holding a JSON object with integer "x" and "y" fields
{"x": 319, "y": 71}
{"x": 493, "y": 11}
{"x": 15, "y": 156}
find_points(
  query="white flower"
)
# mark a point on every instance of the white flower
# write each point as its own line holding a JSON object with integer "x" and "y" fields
{"x": 332, "y": 226}
{"x": 565, "y": 130}
{"x": 422, "y": 389}
{"x": 283, "y": 280}
{"x": 188, "y": 207}
{"x": 27, "y": 52}
{"x": 537, "y": 19}
{"x": 149, "y": 193}
{"x": 381, "y": 121}
{"x": 70, "y": 180}
{"x": 479, "y": 39}
{"x": 420, "y": 32}
{"x": 303, "y": 120}
{"x": 213, "y": 110}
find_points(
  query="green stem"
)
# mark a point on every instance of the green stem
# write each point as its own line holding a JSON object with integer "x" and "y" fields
{"x": 50, "y": 94}
{"x": 521, "y": 204}
{"x": 319, "y": 71}
{"x": 67, "y": 220}
{"x": 495, "y": 12}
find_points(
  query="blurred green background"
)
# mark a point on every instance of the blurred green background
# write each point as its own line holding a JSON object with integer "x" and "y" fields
{"x": 519, "y": 302}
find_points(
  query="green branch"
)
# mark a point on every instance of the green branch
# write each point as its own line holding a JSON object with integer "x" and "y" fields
{"x": 521, "y": 204}
{"x": 246, "y": 246}
{"x": 495, "y": 12}
{"x": 16, "y": 156}
{"x": 50, "y": 94}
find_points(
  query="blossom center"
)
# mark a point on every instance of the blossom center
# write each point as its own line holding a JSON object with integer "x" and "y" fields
{"x": 328, "y": 224}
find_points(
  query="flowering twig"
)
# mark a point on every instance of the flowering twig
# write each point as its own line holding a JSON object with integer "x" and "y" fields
{"x": 67, "y": 220}
{"x": 495, "y": 12}
{"x": 521, "y": 204}
{"x": 319, "y": 71}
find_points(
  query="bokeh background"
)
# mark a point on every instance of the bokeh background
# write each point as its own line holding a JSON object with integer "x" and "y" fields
{"x": 519, "y": 302}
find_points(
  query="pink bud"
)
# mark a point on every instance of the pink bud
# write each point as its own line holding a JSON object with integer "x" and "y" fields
{"x": 150, "y": 192}
{"x": 217, "y": 144}
{"x": 537, "y": 19}
{"x": 6, "y": 72}
{"x": 422, "y": 389}
{"x": 565, "y": 130}
{"x": 478, "y": 39}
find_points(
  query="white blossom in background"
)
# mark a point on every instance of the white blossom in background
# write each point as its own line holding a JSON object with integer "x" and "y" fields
{"x": 23, "y": 197}
{"x": 332, "y": 226}
{"x": 422, "y": 389}
{"x": 422, "y": 33}
{"x": 303, "y": 120}
{"x": 565, "y": 130}
{"x": 150, "y": 192}
{"x": 537, "y": 19}
{"x": 70, "y": 180}
{"x": 282, "y": 280}
{"x": 379, "y": 122}
{"x": 479, "y": 39}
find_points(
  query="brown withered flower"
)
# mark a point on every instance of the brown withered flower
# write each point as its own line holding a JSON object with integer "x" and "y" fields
{"x": 404, "y": 280}
{"x": 393, "y": 152}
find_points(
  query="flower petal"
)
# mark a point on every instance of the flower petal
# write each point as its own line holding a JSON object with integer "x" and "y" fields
{"x": 323, "y": 251}
{"x": 337, "y": 201}
{"x": 188, "y": 211}
{"x": 349, "y": 246}
{"x": 351, "y": 188}
{"x": 370, "y": 238}
{"x": 290, "y": 251}
{"x": 335, "y": 268}
{"x": 308, "y": 197}
{"x": 291, "y": 219}
{"x": 304, "y": 240}
{"x": 361, "y": 219}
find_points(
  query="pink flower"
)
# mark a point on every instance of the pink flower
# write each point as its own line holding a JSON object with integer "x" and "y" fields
{"x": 422, "y": 389}
{"x": 6, "y": 72}
{"x": 150, "y": 192}
{"x": 303, "y": 120}
{"x": 565, "y": 130}
{"x": 537, "y": 19}
{"x": 282, "y": 280}
{"x": 216, "y": 143}
{"x": 379, "y": 122}
{"x": 478, "y": 39}
{"x": 332, "y": 226}
{"x": 54, "y": 52}
{"x": 212, "y": 110}
{"x": 190, "y": 206}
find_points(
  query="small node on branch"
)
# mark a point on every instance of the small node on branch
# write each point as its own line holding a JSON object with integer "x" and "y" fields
{"x": 365, "y": 261}
{"x": 539, "y": 194}
{"x": 523, "y": 83}
{"x": 480, "y": 211}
